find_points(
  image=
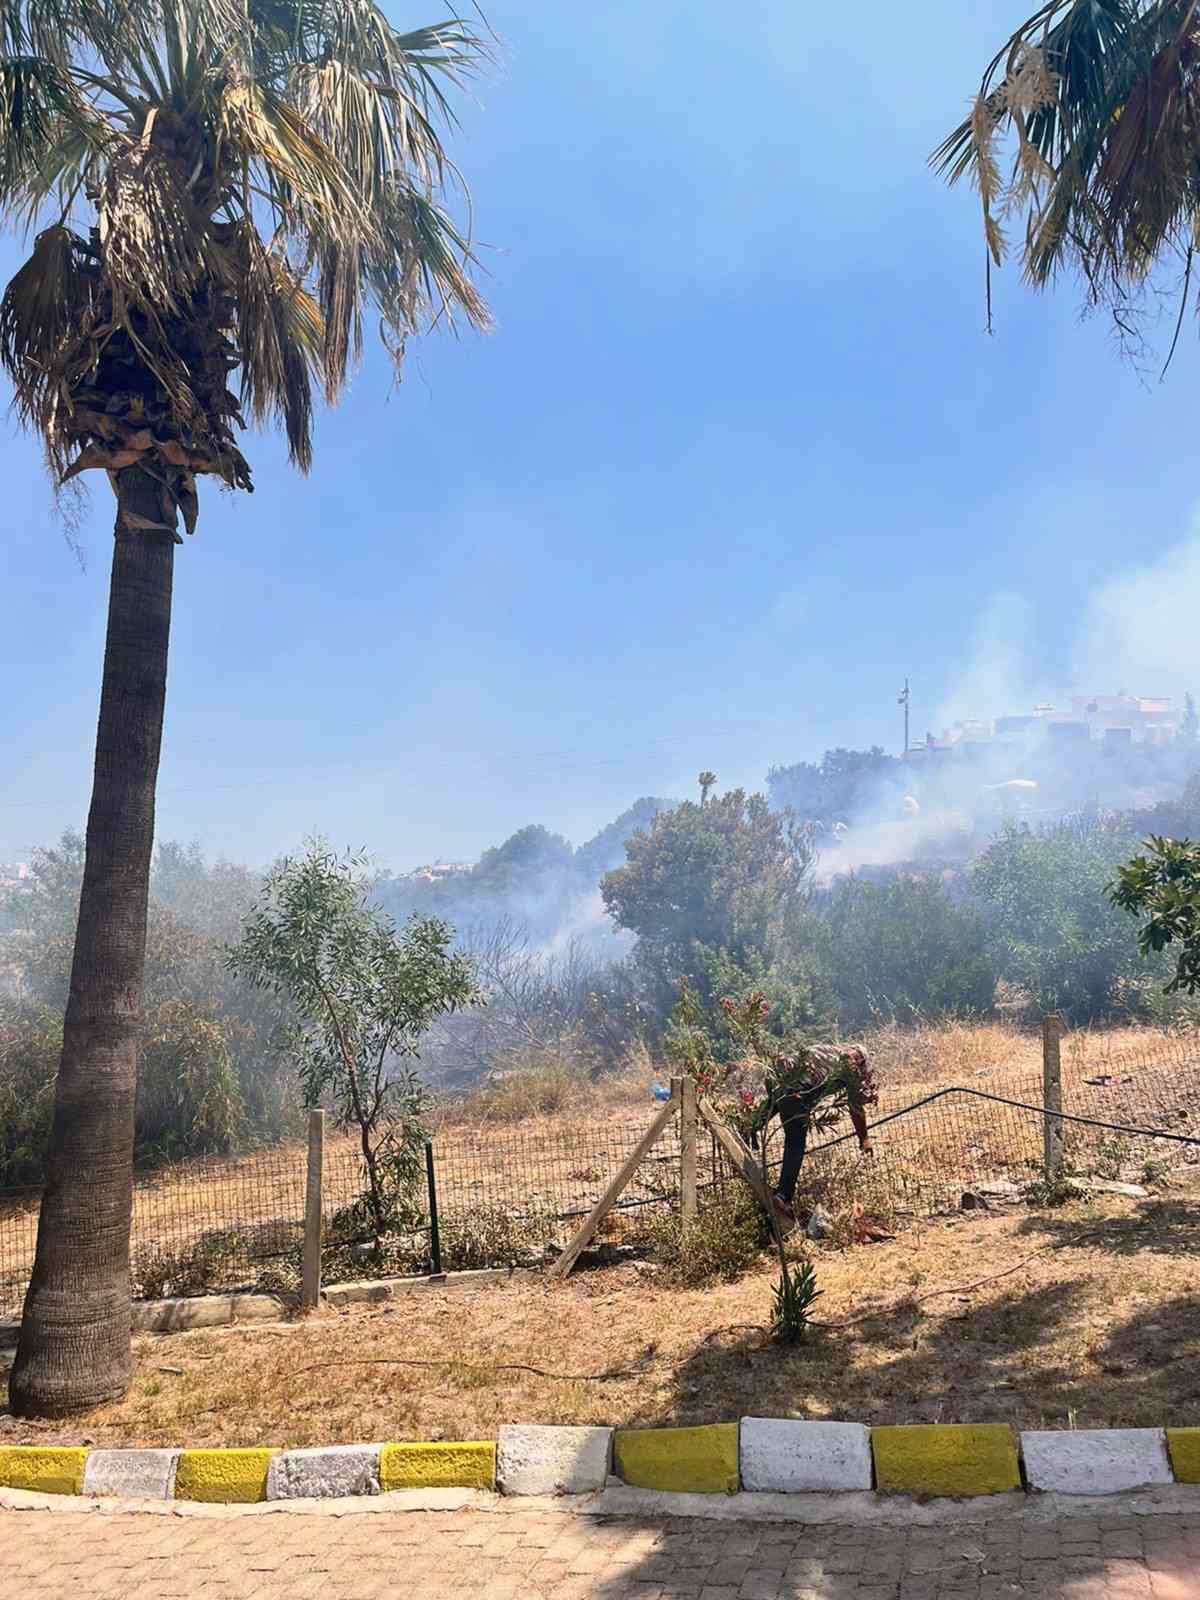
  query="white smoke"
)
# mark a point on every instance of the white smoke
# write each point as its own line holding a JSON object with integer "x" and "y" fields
{"x": 1140, "y": 630}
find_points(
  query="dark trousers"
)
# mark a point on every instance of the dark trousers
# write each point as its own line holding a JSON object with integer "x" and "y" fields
{"x": 793, "y": 1114}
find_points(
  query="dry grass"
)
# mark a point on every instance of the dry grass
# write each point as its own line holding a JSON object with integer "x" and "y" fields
{"x": 545, "y": 1142}
{"x": 1101, "y": 1326}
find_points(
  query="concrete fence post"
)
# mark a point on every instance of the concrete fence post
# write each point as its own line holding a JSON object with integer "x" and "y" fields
{"x": 687, "y": 1149}
{"x": 313, "y": 1210}
{"x": 1053, "y": 1028}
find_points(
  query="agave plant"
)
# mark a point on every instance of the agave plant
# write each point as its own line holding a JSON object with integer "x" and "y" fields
{"x": 227, "y": 188}
{"x": 1099, "y": 101}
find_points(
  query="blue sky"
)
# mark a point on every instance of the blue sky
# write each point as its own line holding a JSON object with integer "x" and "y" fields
{"x": 737, "y": 458}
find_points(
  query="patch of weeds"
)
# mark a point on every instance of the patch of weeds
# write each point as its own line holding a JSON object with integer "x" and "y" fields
{"x": 494, "y": 1236}
{"x": 265, "y": 1257}
{"x": 215, "y": 1261}
{"x": 538, "y": 1084}
{"x": 724, "y": 1241}
{"x": 1111, "y": 1155}
{"x": 1047, "y": 1193}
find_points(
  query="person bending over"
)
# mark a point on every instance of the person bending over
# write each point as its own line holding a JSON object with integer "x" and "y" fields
{"x": 807, "y": 1086}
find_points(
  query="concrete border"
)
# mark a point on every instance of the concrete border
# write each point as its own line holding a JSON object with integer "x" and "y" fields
{"x": 778, "y": 1455}
{"x": 1183, "y": 1448}
{"x": 137, "y": 1474}
{"x": 182, "y": 1314}
{"x": 946, "y": 1458}
{"x": 545, "y": 1460}
{"x": 332, "y": 1471}
{"x": 222, "y": 1477}
{"x": 470, "y": 1465}
{"x": 816, "y": 1468}
{"x": 1096, "y": 1460}
{"x": 701, "y": 1460}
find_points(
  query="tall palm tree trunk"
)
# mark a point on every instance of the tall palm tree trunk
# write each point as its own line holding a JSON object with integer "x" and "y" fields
{"x": 74, "y": 1349}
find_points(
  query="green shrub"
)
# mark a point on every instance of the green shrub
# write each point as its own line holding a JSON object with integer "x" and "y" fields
{"x": 1057, "y": 936}
{"x": 188, "y": 1100}
{"x": 795, "y": 1294}
{"x": 30, "y": 1044}
{"x": 725, "y": 1241}
{"x": 902, "y": 951}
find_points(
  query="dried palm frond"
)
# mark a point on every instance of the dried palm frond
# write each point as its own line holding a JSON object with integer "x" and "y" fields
{"x": 232, "y": 185}
{"x": 1102, "y": 98}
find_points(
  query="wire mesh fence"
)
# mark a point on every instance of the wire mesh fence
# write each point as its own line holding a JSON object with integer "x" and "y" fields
{"x": 513, "y": 1196}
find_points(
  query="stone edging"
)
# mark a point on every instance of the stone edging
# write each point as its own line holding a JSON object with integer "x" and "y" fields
{"x": 759, "y": 1455}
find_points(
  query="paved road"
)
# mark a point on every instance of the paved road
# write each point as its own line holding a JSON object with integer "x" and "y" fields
{"x": 51, "y": 1555}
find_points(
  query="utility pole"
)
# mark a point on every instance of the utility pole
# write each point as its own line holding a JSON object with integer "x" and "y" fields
{"x": 903, "y": 700}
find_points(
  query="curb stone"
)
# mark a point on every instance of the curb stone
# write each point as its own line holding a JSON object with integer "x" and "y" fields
{"x": 327, "y": 1472}
{"x": 438, "y": 1466}
{"x": 778, "y": 1455}
{"x": 949, "y": 1458}
{"x": 140, "y": 1474}
{"x": 1096, "y": 1460}
{"x": 761, "y": 1460}
{"x": 543, "y": 1460}
{"x": 700, "y": 1460}
{"x": 223, "y": 1477}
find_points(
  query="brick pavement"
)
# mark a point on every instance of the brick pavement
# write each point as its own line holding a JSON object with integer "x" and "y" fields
{"x": 50, "y": 1555}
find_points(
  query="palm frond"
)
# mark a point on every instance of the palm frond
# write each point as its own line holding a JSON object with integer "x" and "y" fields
{"x": 1102, "y": 98}
{"x": 253, "y": 177}
{"x": 281, "y": 339}
{"x": 47, "y": 303}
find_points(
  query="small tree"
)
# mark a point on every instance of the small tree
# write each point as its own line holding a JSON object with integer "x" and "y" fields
{"x": 1164, "y": 886}
{"x": 364, "y": 994}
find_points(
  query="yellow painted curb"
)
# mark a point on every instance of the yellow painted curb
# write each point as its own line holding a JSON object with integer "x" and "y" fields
{"x": 223, "y": 1477}
{"x": 49, "y": 1470}
{"x": 686, "y": 1460}
{"x": 963, "y": 1458}
{"x": 438, "y": 1466}
{"x": 1183, "y": 1446}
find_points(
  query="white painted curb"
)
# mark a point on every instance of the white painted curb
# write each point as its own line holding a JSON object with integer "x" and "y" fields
{"x": 779, "y": 1455}
{"x": 332, "y": 1470}
{"x": 545, "y": 1460}
{"x": 144, "y": 1474}
{"x": 1096, "y": 1460}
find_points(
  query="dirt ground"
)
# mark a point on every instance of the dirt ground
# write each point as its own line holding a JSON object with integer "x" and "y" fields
{"x": 1086, "y": 1315}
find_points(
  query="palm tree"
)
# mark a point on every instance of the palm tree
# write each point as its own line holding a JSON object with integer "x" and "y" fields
{"x": 1101, "y": 100}
{"x": 229, "y": 186}
{"x": 706, "y": 781}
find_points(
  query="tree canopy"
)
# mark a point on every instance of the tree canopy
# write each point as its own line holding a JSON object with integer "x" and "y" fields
{"x": 229, "y": 185}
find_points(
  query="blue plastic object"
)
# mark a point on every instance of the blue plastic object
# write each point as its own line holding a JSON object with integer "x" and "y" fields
{"x": 660, "y": 1093}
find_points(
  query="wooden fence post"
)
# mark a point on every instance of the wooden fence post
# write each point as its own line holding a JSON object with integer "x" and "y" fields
{"x": 310, "y": 1297}
{"x": 687, "y": 1149}
{"x": 743, "y": 1160}
{"x": 613, "y": 1193}
{"x": 1053, "y": 1028}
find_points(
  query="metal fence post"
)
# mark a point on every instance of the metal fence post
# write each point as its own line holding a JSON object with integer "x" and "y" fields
{"x": 313, "y": 1211}
{"x": 435, "y": 1238}
{"x": 1053, "y": 1028}
{"x": 687, "y": 1149}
